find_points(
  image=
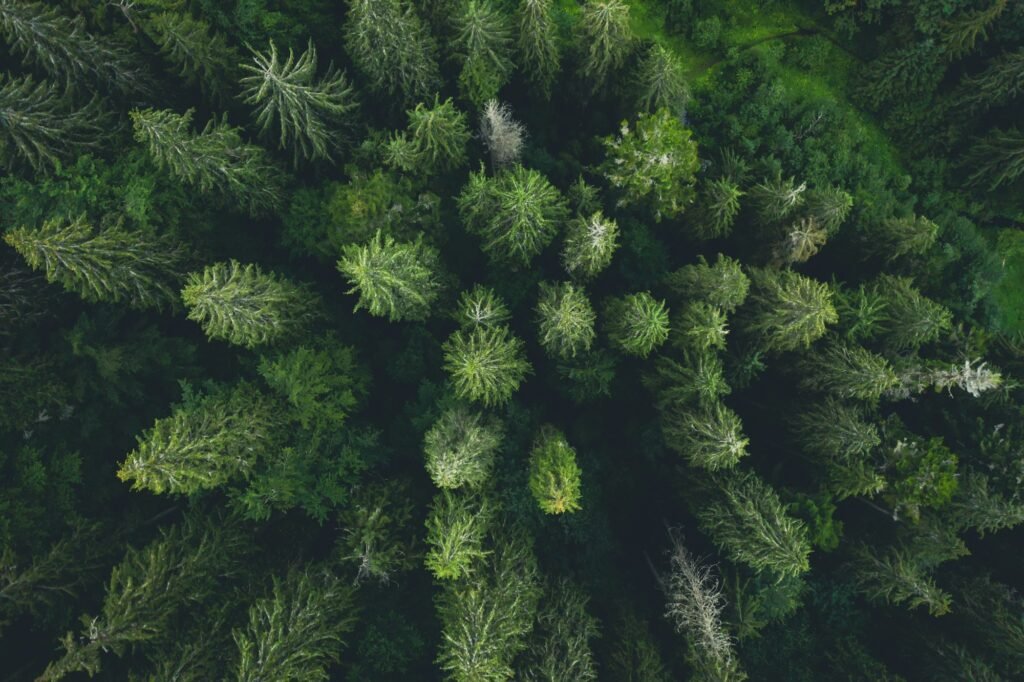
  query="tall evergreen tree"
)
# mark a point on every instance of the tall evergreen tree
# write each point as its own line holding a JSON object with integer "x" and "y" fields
{"x": 197, "y": 53}
{"x": 538, "y": 43}
{"x": 604, "y": 38}
{"x": 776, "y": 198}
{"x": 590, "y": 243}
{"x": 108, "y": 265}
{"x": 847, "y": 372}
{"x": 554, "y": 474}
{"x": 565, "y": 319}
{"x": 560, "y": 645}
{"x": 637, "y": 324}
{"x": 897, "y": 237}
{"x": 661, "y": 82}
{"x": 307, "y": 112}
{"x": 245, "y": 306}
{"x": 723, "y": 285}
{"x": 717, "y": 208}
{"x": 456, "y": 527}
{"x": 435, "y": 139}
{"x": 997, "y": 158}
{"x": 393, "y": 279}
{"x": 216, "y": 160}
{"x": 481, "y": 307}
{"x": 486, "y": 364}
{"x": 711, "y": 438}
{"x": 897, "y": 578}
{"x": 828, "y": 206}
{"x": 484, "y": 42}
{"x": 831, "y": 428}
{"x": 789, "y": 310}
{"x": 460, "y": 448}
{"x": 911, "y": 320}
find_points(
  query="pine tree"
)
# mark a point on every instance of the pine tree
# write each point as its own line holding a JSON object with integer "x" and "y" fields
{"x": 723, "y": 285}
{"x": 749, "y": 523}
{"x": 911, "y": 320}
{"x": 308, "y": 113}
{"x": 379, "y": 536}
{"x": 198, "y": 54}
{"x": 997, "y": 159}
{"x": 560, "y": 646}
{"x": 207, "y": 441}
{"x": 604, "y": 37}
{"x": 590, "y": 243}
{"x": 637, "y": 324}
{"x": 699, "y": 379}
{"x": 776, "y": 198}
{"x": 486, "y": 364}
{"x": 148, "y": 588}
{"x": 717, "y": 207}
{"x": 897, "y": 579}
{"x": 654, "y": 163}
{"x": 700, "y": 327}
{"x": 392, "y": 48}
{"x": 710, "y": 438}
{"x": 661, "y": 81}
{"x": 538, "y": 43}
{"x": 245, "y": 306}
{"x": 897, "y": 237}
{"x": 554, "y": 474}
{"x": 847, "y": 372}
{"x": 214, "y": 161}
{"x": 501, "y": 134}
{"x": 65, "y": 50}
{"x": 297, "y": 631}
{"x": 833, "y": 429}
{"x": 828, "y": 206}
{"x": 456, "y": 527}
{"x": 789, "y": 310}
{"x": 111, "y": 265}
{"x": 481, "y": 307}
{"x": 38, "y": 126}
{"x": 517, "y": 213}
{"x": 434, "y": 141}
{"x": 565, "y": 320}
{"x": 397, "y": 280}
{"x": 460, "y": 448}
{"x": 484, "y": 42}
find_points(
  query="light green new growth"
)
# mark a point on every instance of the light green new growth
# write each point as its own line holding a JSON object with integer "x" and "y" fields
{"x": 700, "y": 327}
{"x": 847, "y": 372}
{"x": 565, "y": 320}
{"x": 590, "y": 244}
{"x": 637, "y": 324}
{"x": 790, "y": 311}
{"x": 456, "y": 527}
{"x": 434, "y": 141}
{"x": 711, "y": 438}
{"x": 554, "y": 474}
{"x": 723, "y": 285}
{"x": 486, "y": 364}
{"x": 397, "y": 280}
{"x": 897, "y": 579}
{"x": 481, "y": 307}
{"x": 460, "y": 448}
{"x": 244, "y": 306}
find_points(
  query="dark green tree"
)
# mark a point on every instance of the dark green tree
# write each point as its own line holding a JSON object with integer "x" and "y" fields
{"x": 539, "y": 52}
{"x": 661, "y": 82}
{"x": 198, "y": 54}
{"x": 559, "y": 648}
{"x": 435, "y": 139}
{"x": 997, "y": 159}
{"x": 723, "y": 285}
{"x": 847, "y": 372}
{"x": 717, "y": 207}
{"x": 894, "y": 238}
{"x": 637, "y": 324}
{"x": 483, "y": 40}
{"x": 788, "y": 310}
{"x": 604, "y": 37}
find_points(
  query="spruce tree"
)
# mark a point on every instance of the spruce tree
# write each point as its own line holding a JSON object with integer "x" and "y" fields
{"x": 297, "y": 631}
{"x": 379, "y": 536}
{"x": 590, "y": 243}
{"x": 110, "y": 265}
{"x": 538, "y": 43}
{"x": 661, "y": 82}
{"x": 456, "y": 527}
{"x": 847, "y": 372}
{"x": 435, "y": 139}
{"x": 637, "y": 324}
{"x": 723, "y": 285}
{"x": 392, "y": 48}
{"x": 604, "y": 38}
{"x": 803, "y": 239}
{"x": 198, "y": 54}
{"x": 777, "y": 198}
{"x": 397, "y": 280}
{"x": 635, "y": 656}
{"x": 698, "y": 379}
{"x": 710, "y": 438}
{"x": 997, "y": 159}
{"x": 833, "y": 429}
{"x": 214, "y": 161}
{"x": 654, "y": 162}
{"x": 486, "y": 364}
{"x": 481, "y": 307}
{"x": 565, "y": 320}
{"x": 245, "y": 306}
{"x": 554, "y": 474}
{"x": 307, "y": 112}
{"x": 484, "y": 42}
{"x": 559, "y": 648}
{"x": 895, "y": 238}
{"x": 911, "y": 320}
{"x": 207, "y": 441}
{"x": 460, "y": 448}
{"x": 1002, "y": 80}
{"x": 517, "y": 213}
{"x": 717, "y": 208}
{"x": 895, "y": 577}
{"x": 828, "y": 206}
{"x": 788, "y": 310}
{"x": 39, "y": 128}
{"x": 700, "y": 327}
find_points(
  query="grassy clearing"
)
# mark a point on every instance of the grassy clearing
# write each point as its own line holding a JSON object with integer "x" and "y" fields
{"x": 1008, "y": 294}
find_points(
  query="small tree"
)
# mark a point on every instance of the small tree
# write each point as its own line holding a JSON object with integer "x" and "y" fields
{"x": 379, "y": 536}
{"x": 717, "y": 208}
{"x": 701, "y": 327}
{"x": 590, "y": 243}
{"x": 710, "y": 439}
{"x": 297, "y": 631}
{"x": 481, "y": 307}
{"x": 397, "y": 280}
{"x": 456, "y": 526}
{"x": 661, "y": 82}
{"x": 110, "y": 265}
{"x": 517, "y": 213}
{"x": 538, "y": 43}
{"x": 895, "y": 238}
{"x": 832, "y": 429}
{"x": 829, "y": 207}
{"x": 777, "y": 198}
{"x": 723, "y": 285}
{"x": 789, "y": 310}
{"x": 245, "y": 306}
{"x": 653, "y": 163}
{"x": 501, "y": 134}
{"x": 486, "y": 364}
{"x": 897, "y": 579}
{"x": 565, "y": 319}
{"x": 803, "y": 239}
{"x": 604, "y": 37}
{"x": 847, "y": 372}
{"x": 484, "y": 41}
{"x": 911, "y": 320}
{"x": 637, "y": 324}
{"x": 435, "y": 139}
{"x": 554, "y": 474}
{"x": 560, "y": 647}
{"x": 199, "y": 54}
{"x": 307, "y": 112}
{"x": 460, "y": 448}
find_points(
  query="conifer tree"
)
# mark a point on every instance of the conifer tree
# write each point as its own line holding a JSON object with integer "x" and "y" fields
{"x": 776, "y": 198}
{"x": 677, "y": 385}
{"x": 486, "y": 364}
{"x": 1000, "y": 82}
{"x": 831, "y": 428}
{"x": 538, "y": 43}
{"x": 560, "y": 646}
{"x": 245, "y": 306}
{"x": 501, "y": 134}
{"x": 297, "y": 631}
{"x": 911, "y": 320}
{"x": 635, "y": 656}
{"x": 828, "y": 206}
{"x": 710, "y": 438}
{"x": 199, "y": 54}
{"x": 392, "y": 48}
{"x": 894, "y": 238}
{"x": 307, "y": 112}
{"x": 108, "y": 265}
{"x": 637, "y": 324}
{"x": 997, "y": 158}
{"x": 750, "y": 524}
{"x": 700, "y": 327}
{"x": 62, "y": 48}
{"x": 604, "y": 37}
{"x": 565, "y": 319}
{"x": 554, "y": 474}
{"x": 460, "y": 448}
{"x": 897, "y": 578}
{"x": 723, "y": 285}
{"x": 481, "y": 307}
{"x": 661, "y": 82}
{"x": 484, "y": 42}
{"x": 589, "y": 376}
{"x": 434, "y": 141}
{"x": 397, "y": 280}
{"x": 975, "y": 505}
{"x": 654, "y": 162}
{"x": 789, "y": 310}
{"x": 717, "y": 207}
{"x": 215, "y": 160}
{"x": 517, "y": 213}
{"x": 456, "y": 527}
{"x": 39, "y": 128}
{"x": 590, "y": 243}
{"x": 803, "y": 239}
{"x": 207, "y": 441}
{"x": 961, "y": 33}
{"x": 847, "y": 372}
{"x": 378, "y": 536}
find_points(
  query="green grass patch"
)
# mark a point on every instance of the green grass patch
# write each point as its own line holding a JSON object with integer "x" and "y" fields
{"x": 1008, "y": 293}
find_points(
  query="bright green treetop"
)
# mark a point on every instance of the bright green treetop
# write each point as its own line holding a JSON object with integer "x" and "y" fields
{"x": 435, "y": 139}
{"x": 397, "y": 280}
{"x": 460, "y": 448}
{"x": 486, "y": 364}
{"x": 565, "y": 319}
{"x": 590, "y": 243}
{"x": 637, "y": 324}
{"x": 790, "y": 310}
{"x": 554, "y": 474}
